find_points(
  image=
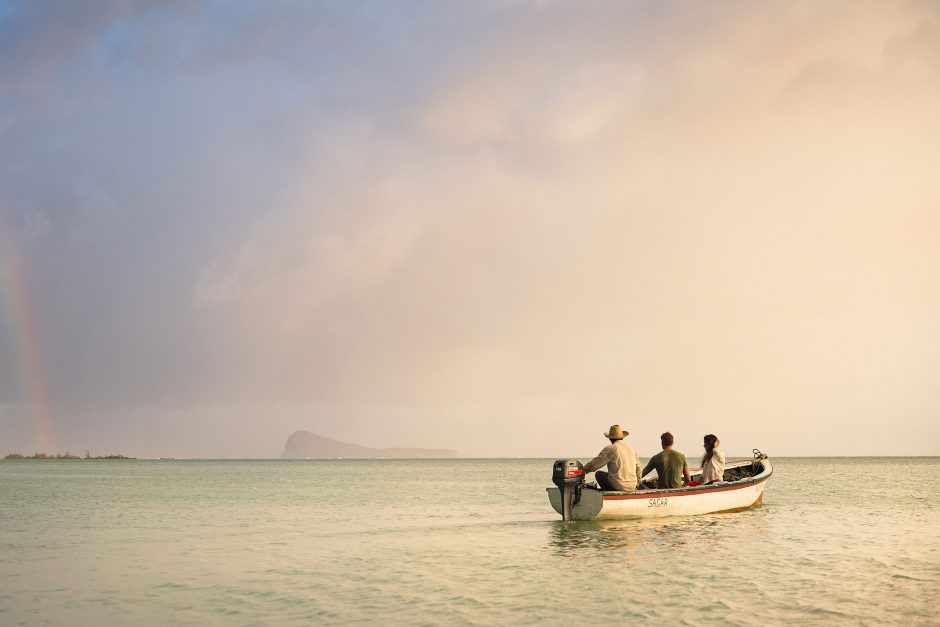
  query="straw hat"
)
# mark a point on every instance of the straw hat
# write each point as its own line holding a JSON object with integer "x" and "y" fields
{"x": 616, "y": 433}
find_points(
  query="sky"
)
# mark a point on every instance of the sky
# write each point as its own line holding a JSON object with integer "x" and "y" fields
{"x": 497, "y": 227}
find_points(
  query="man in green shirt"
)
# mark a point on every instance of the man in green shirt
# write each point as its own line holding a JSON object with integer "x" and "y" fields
{"x": 671, "y": 466}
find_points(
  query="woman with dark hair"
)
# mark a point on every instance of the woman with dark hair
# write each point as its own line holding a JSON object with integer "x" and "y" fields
{"x": 713, "y": 462}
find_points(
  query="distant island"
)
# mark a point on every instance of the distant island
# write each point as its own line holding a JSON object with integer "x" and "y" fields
{"x": 65, "y": 455}
{"x": 306, "y": 445}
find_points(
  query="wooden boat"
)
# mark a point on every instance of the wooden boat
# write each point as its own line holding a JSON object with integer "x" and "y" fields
{"x": 742, "y": 488}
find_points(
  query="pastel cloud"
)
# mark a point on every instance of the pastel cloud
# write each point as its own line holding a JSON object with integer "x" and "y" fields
{"x": 438, "y": 225}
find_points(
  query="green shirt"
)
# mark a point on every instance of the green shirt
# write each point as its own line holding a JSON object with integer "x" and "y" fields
{"x": 669, "y": 466}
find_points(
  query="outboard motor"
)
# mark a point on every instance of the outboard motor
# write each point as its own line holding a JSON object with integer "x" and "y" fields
{"x": 568, "y": 475}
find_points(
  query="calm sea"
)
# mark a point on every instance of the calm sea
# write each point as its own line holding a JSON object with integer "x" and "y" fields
{"x": 837, "y": 541}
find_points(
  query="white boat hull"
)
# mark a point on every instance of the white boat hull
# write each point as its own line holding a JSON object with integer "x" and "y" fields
{"x": 723, "y": 497}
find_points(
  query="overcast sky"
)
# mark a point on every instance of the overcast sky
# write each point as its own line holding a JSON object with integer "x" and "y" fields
{"x": 496, "y": 227}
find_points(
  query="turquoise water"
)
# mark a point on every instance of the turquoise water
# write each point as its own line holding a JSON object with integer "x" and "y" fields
{"x": 852, "y": 541}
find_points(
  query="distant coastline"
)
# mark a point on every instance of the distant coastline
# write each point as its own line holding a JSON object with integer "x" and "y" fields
{"x": 65, "y": 455}
{"x": 306, "y": 445}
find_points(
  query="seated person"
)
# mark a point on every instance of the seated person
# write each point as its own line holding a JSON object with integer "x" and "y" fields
{"x": 671, "y": 466}
{"x": 713, "y": 462}
{"x": 621, "y": 461}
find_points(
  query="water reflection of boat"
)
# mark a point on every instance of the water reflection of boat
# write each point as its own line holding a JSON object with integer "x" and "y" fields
{"x": 743, "y": 487}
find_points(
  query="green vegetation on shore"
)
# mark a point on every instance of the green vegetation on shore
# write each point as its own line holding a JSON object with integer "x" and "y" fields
{"x": 65, "y": 455}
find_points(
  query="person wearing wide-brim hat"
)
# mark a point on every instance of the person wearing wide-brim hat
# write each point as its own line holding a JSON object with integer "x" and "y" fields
{"x": 623, "y": 465}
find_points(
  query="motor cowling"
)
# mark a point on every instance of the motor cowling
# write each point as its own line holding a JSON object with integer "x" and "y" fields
{"x": 567, "y": 472}
{"x": 568, "y": 475}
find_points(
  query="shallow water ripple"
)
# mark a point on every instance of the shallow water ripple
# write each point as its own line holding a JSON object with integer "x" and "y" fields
{"x": 453, "y": 542}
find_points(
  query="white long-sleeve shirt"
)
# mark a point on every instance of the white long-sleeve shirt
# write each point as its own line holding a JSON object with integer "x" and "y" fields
{"x": 714, "y": 469}
{"x": 623, "y": 465}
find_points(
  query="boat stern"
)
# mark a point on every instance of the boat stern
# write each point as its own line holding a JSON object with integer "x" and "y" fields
{"x": 588, "y": 503}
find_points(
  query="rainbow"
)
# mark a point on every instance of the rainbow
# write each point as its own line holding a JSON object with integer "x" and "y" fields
{"x": 16, "y": 307}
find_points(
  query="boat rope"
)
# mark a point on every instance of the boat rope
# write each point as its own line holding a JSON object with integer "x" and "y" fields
{"x": 758, "y": 456}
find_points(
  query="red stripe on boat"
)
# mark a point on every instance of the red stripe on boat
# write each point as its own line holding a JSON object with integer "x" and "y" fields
{"x": 687, "y": 492}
